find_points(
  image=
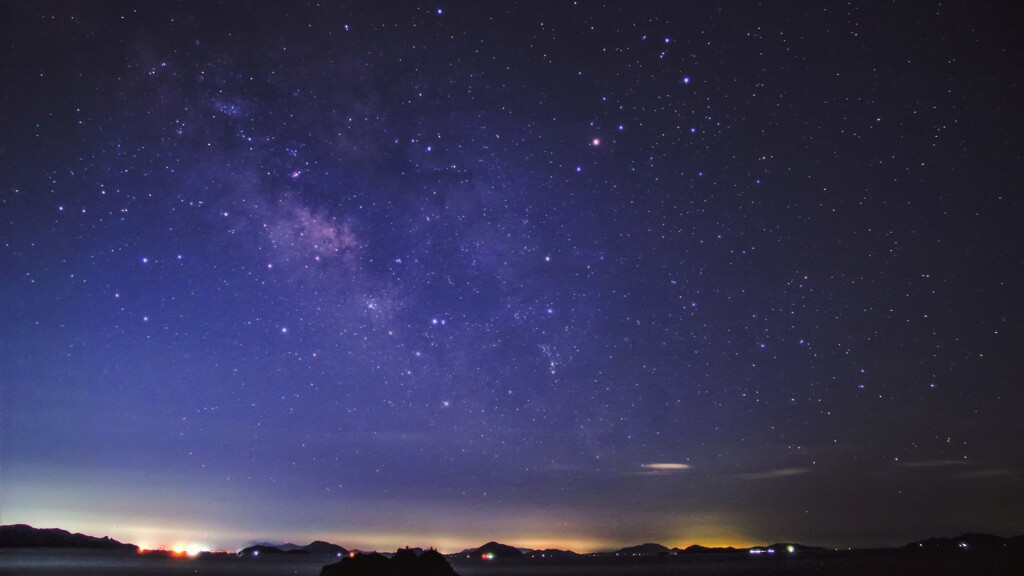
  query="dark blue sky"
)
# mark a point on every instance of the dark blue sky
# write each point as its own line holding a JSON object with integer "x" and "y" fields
{"x": 575, "y": 275}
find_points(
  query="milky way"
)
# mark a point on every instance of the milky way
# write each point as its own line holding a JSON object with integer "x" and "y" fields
{"x": 557, "y": 274}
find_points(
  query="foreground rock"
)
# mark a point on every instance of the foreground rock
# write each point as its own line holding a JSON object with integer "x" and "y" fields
{"x": 404, "y": 562}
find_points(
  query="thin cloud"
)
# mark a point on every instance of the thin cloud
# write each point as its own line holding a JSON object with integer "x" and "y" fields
{"x": 989, "y": 473}
{"x": 780, "y": 473}
{"x": 666, "y": 466}
{"x": 932, "y": 463}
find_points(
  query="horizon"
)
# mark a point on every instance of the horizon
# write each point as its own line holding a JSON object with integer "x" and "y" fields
{"x": 198, "y": 547}
{"x": 569, "y": 275}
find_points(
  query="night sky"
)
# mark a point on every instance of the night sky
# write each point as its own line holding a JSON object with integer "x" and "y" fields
{"x": 557, "y": 274}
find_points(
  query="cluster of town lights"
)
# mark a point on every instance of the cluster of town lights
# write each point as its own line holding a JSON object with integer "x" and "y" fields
{"x": 789, "y": 549}
{"x": 178, "y": 550}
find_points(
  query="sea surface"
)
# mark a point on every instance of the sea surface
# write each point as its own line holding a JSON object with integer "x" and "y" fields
{"x": 54, "y": 562}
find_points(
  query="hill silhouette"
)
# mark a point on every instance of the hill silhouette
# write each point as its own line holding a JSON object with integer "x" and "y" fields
{"x": 498, "y": 550}
{"x": 25, "y": 536}
{"x": 404, "y": 562}
{"x": 325, "y": 548}
{"x": 649, "y": 549}
{"x": 318, "y": 547}
{"x": 981, "y": 542}
{"x": 262, "y": 550}
{"x": 551, "y": 553}
{"x": 698, "y": 549}
{"x": 794, "y": 546}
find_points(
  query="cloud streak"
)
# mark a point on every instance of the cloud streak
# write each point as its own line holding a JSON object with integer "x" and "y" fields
{"x": 666, "y": 466}
{"x": 932, "y": 464}
{"x": 771, "y": 474}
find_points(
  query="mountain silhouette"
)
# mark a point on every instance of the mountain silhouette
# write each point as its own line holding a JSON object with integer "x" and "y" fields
{"x": 25, "y": 536}
{"x": 321, "y": 547}
{"x": 498, "y": 550}
{"x": 649, "y": 549}
{"x": 318, "y": 547}
{"x": 551, "y": 553}
{"x": 698, "y": 549}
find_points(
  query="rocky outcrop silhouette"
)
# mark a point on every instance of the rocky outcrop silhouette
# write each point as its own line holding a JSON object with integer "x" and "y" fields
{"x": 404, "y": 562}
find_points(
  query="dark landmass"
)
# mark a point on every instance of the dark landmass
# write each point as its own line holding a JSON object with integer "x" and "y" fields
{"x": 551, "y": 553}
{"x": 172, "y": 554}
{"x": 883, "y": 562}
{"x": 404, "y": 562}
{"x": 318, "y": 547}
{"x": 698, "y": 549}
{"x": 261, "y": 550}
{"x": 970, "y": 553}
{"x": 498, "y": 550}
{"x": 877, "y": 562}
{"x": 25, "y": 536}
{"x": 788, "y": 546}
{"x": 326, "y": 548}
{"x": 649, "y": 549}
{"x": 987, "y": 542}
{"x": 287, "y": 547}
